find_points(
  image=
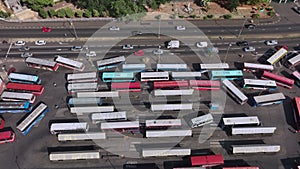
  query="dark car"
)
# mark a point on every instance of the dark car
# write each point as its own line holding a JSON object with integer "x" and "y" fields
{"x": 242, "y": 43}
{"x": 250, "y": 26}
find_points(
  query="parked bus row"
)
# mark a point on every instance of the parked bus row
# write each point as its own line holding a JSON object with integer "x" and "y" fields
{"x": 54, "y": 65}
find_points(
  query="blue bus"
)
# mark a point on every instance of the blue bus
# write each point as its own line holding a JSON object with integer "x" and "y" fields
{"x": 33, "y": 118}
{"x": 118, "y": 77}
{"x": 24, "y": 78}
{"x": 226, "y": 74}
{"x": 15, "y": 107}
{"x": 75, "y": 101}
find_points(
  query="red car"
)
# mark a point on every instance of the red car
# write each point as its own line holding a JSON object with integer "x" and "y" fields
{"x": 1, "y": 123}
{"x": 46, "y": 29}
{"x": 7, "y": 136}
{"x": 282, "y": 46}
{"x": 139, "y": 53}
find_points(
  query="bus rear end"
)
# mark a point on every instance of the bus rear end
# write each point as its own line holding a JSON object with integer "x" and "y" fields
{"x": 7, "y": 136}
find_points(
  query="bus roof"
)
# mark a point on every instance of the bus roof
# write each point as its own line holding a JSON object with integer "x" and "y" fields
{"x": 168, "y": 133}
{"x": 22, "y": 86}
{"x": 69, "y": 62}
{"x": 269, "y": 97}
{"x": 277, "y": 56}
{"x": 78, "y": 86}
{"x": 278, "y": 77}
{"x": 167, "y": 84}
{"x": 154, "y": 74}
{"x": 120, "y": 125}
{"x": 128, "y": 85}
{"x": 109, "y": 115}
{"x": 201, "y": 119}
{"x": 163, "y": 122}
{"x": 133, "y": 66}
{"x": 74, "y": 125}
{"x": 23, "y": 76}
{"x": 204, "y": 83}
{"x": 234, "y": 89}
{"x": 98, "y": 94}
{"x": 297, "y": 101}
{"x": 83, "y": 75}
{"x": 186, "y": 74}
{"x": 39, "y": 61}
{"x": 181, "y": 92}
{"x": 296, "y": 74}
{"x": 110, "y": 61}
{"x": 91, "y": 109}
{"x": 258, "y": 66}
{"x": 227, "y": 73}
{"x": 171, "y": 66}
{"x": 118, "y": 74}
{"x": 5, "y": 135}
{"x": 294, "y": 60}
{"x": 207, "y": 160}
{"x": 240, "y": 120}
{"x": 261, "y": 82}
{"x": 17, "y": 95}
{"x": 214, "y": 66}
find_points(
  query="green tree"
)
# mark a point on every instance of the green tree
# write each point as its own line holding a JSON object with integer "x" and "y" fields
{"x": 61, "y": 13}
{"x": 79, "y": 13}
{"x": 4, "y": 14}
{"x": 87, "y": 14}
{"x": 51, "y": 12}
{"x": 153, "y": 4}
{"x": 38, "y": 4}
{"x": 232, "y": 5}
{"x": 96, "y": 13}
{"x": 43, "y": 13}
{"x": 69, "y": 12}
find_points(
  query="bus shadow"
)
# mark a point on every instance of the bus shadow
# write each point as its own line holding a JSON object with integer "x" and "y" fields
{"x": 141, "y": 166}
{"x": 263, "y": 59}
{"x": 236, "y": 163}
{"x": 227, "y": 145}
{"x": 288, "y": 112}
{"x": 290, "y": 163}
{"x": 71, "y": 148}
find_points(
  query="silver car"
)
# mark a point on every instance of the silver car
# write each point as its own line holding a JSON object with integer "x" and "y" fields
{"x": 114, "y": 28}
{"x": 180, "y": 28}
{"x": 127, "y": 46}
{"x": 271, "y": 42}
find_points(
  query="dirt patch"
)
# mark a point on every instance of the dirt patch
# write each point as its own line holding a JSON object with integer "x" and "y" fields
{"x": 174, "y": 10}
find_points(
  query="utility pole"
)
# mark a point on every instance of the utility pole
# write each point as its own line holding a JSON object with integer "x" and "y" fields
{"x": 8, "y": 51}
{"x": 229, "y": 45}
{"x": 71, "y": 23}
{"x": 242, "y": 27}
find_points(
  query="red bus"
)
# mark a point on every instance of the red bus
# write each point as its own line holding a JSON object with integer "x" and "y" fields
{"x": 207, "y": 161}
{"x": 126, "y": 86}
{"x": 7, "y": 136}
{"x": 280, "y": 80}
{"x": 2, "y": 122}
{"x": 31, "y": 88}
{"x": 296, "y": 105}
{"x": 205, "y": 84}
{"x": 240, "y": 167}
{"x": 171, "y": 84}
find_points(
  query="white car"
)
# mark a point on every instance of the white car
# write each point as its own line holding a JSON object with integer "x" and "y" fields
{"x": 201, "y": 44}
{"x": 180, "y": 28}
{"x": 127, "y": 46}
{"x": 271, "y": 42}
{"x": 249, "y": 49}
{"x": 91, "y": 54}
{"x": 40, "y": 42}
{"x": 114, "y": 28}
{"x": 19, "y": 43}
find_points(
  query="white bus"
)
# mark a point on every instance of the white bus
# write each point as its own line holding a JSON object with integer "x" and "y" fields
{"x": 72, "y": 127}
{"x": 69, "y": 63}
{"x": 133, "y": 67}
{"x": 236, "y": 121}
{"x": 162, "y": 107}
{"x": 74, "y": 155}
{"x": 252, "y": 130}
{"x": 24, "y": 78}
{"x": 185, "y": 75}
{"x": 154, "y": 76}
{"x": 81, "y": 136}
{"x": 268, "y": 99}
{"x": 234, "y": 92}
{"x": 294, "y": 61}
{"x": 41, "y": 64}
{"x": 277, "y": 56}
{"x": 214, "y": 66}
{"x": 100, "y": 117}
{"x": 162, "y": 123}
{"x": 33, "y": 118}
{"x": 182, "y": 92}
{"x": 110, "y": 63}
{"x": 98, "y": 94}
{"x": 171, "y": 67}
{"x": 161, "y": 152}
{"x": 82, "y": 77}
{"x": 259, "y": 84}
{"x": 80, "y": 87}
{"x": 168, "y": 133}
{"x": 122, "y": 125}
{"x": 201, "y": 120}
{"x": 91, "y": 109}
{"x": 255, "y": 148}
{"x": 18, "y": 96}
{"x": 254, "y": 67}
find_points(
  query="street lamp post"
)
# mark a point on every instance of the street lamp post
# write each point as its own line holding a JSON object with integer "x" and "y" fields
{"x": 71, "y": 23}
{"x": 242, "y": 27}
{"x": 229, "y": 45}
{"x": 158, "y": 18}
